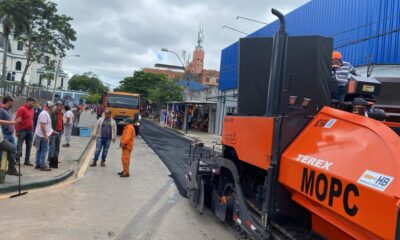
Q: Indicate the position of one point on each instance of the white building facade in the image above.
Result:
(16, 62)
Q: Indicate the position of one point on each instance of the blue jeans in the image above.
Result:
(27, 136)
(10, 156)
(101, 143)
(41, 152)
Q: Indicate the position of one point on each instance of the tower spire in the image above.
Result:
(200, 38)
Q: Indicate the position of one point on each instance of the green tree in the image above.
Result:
(166, 91)
(87, 83)
(46, 32)
(92, 98)
(152, 87)
(12, 17)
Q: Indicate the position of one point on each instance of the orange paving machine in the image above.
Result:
(310, 166)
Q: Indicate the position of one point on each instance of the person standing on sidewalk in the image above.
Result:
(43, 132)
(68, 124)
(127, 141)
(24, 130)
(105, 131)
(7, 129)
(36, 111)
(55, 140)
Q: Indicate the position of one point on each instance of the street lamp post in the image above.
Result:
(185, 125)
(56, 74)
(234, 29)
(251, 20)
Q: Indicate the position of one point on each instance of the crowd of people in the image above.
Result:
(34, 126)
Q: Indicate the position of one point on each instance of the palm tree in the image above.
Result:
(13, 21)
(7, 23)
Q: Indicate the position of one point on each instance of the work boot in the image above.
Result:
(13, 172)
(51, 162)
(53, 165)
(120, 173)
(66, 145)
(45, 168)
(125, 175)
(103, 163)
(27, 163)
(93, 164)
(37, 167)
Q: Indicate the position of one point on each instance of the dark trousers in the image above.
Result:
(11, 152)
(54, 149)
(27, 136)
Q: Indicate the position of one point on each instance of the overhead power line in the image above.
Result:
(365, 25)
(368, 38)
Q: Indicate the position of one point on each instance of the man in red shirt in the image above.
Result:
(24, 130)
(55, 139)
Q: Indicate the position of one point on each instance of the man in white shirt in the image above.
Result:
(43, 132)
(68, 124)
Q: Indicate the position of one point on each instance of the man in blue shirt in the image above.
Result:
(8, 133)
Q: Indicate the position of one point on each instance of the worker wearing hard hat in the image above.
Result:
(127, 141)
(342, 71)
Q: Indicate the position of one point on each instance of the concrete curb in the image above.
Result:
(48, 182)
(38, 184)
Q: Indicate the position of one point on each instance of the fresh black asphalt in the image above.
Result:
(171, 148)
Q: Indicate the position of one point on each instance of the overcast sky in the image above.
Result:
(117, 37)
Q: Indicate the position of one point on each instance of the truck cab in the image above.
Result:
(123, 105)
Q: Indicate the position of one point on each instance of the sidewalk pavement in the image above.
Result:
(69, 158)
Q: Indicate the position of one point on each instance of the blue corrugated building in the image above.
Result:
(363, 30)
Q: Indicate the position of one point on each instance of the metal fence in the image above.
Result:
(16, 89)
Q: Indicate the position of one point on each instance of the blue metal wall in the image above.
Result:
(228, 74)
(350, 22)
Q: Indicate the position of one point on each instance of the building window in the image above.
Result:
(48, 82)
(40, 79)
(20, 46)
(18, 66)
(62, 82)
(47, 59)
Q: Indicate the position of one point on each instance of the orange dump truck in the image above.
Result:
(123, 105)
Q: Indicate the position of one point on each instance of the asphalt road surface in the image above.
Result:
(171, 148)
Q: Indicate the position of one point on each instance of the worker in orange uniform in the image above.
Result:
(127, 141)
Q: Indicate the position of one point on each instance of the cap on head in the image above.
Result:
(59, 103)
(336, 55)
(48, 104)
